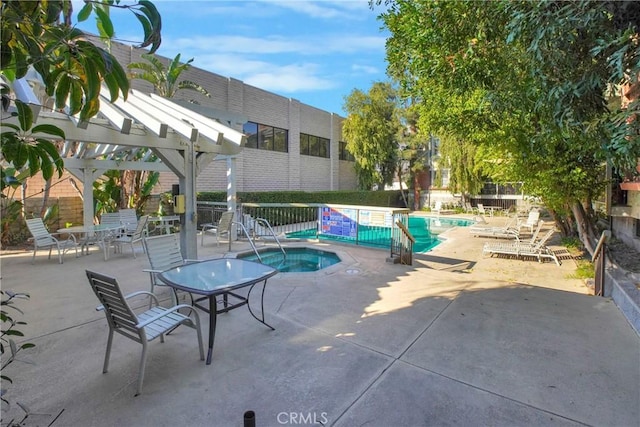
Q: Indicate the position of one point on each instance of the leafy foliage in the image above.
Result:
(40, 35)
(30, 145)
(370, 132)
(9, 349)
(165, 79)
(527, 84)
(137, 185)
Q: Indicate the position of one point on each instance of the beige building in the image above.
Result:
(291, 146)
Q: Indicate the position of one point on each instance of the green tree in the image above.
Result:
(41, 35)
(527, 84)
(370, 131)
(165, 79)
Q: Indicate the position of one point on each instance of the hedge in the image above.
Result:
(391, 198)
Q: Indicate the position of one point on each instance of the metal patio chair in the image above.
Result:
(42, 239)
(132, 239)
(141, 328)
(222, 227)
(129, 220)
(164, 253)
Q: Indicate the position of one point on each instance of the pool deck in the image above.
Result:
(454, 339)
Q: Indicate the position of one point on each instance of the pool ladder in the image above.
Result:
(265, 224)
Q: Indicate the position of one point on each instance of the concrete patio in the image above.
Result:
(455, 339)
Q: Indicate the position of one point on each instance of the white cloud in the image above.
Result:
(287, 78)
(290, 79)
(269, 45)
(366, 69)
(239, 44)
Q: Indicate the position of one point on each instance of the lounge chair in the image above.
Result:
(470, 209)
(141, 328)
(42, 239)
(519, 249)
(482, 211)
(509, 231)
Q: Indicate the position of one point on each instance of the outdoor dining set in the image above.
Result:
(213, 286)
(115, 230)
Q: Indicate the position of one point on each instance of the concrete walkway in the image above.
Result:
(455, 339)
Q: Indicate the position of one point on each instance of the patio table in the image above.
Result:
(94, 233)
(220, 277)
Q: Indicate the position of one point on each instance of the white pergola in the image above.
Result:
(184, 141)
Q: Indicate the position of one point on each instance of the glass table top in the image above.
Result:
(216, 275)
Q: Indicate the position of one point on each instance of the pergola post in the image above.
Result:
(232, 201)
(188, 229)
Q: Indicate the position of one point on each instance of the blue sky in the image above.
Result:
(313, 51)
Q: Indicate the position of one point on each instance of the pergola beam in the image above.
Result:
(185, 141)
(71, 163)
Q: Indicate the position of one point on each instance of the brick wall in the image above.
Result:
(69, 210)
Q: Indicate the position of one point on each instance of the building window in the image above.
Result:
(265, 137)
(312, 145)
(251, 131)
(637, 221)
(344, 153)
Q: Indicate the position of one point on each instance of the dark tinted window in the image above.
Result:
(250, 129)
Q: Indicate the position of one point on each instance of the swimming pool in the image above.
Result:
(424, 229)
(298, 260)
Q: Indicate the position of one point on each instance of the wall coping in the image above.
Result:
(624, 288)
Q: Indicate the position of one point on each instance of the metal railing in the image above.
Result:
(360, 225)
(402, 244)
(599, 261)
(209, 212)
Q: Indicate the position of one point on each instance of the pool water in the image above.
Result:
(424, 229)
(298, 260)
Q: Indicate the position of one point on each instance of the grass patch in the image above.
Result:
(585, 270)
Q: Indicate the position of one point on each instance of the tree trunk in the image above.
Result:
(45, 197)
(416, 192)
(404, 197)
(585, 230)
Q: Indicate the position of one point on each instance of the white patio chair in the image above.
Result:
(164, 253)
(482, 211)
(112, 219)
(129, 220)
(141, 328)
(132, 239)
(222, 227)
(42, 239)
(469, 209)
(532, 220)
